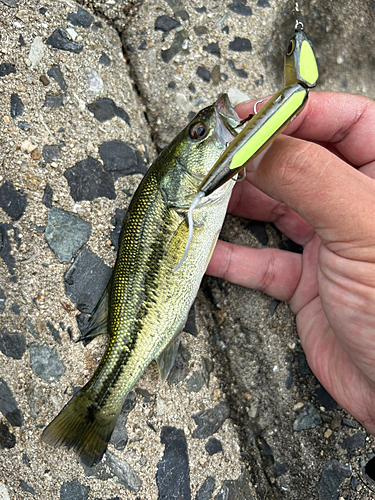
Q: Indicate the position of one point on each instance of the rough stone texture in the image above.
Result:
(251, 346)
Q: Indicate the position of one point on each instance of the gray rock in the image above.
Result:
(66, 234)
(7, 69)
(60, 40)
(240, 488)
(333, 475)
(213, 446)
(86, 279)
(307, 419)
(240, 45)
(105, 60)
(54, 331)
(45, 362)
(239, 72)
(176, 46)
(358, 440)
(26, 487)
(124, 473)
(239, 7)
(95, 81)
(31, 328)
(12, 201)
(2, 300)
(121, 158)
(51, 153)
(74, 490)
(173, 477)
(82, 18)
(105, 109)
(212, 48)
(166, 23)
(209, 421)
(17, 107)
(263, 3)
(88, 179)
(13, 345)
(204, 73)
(47, 196)
(55, 73)
(195, 382)
(7, 439)
(205, 491)
(54, 100)
(119, 436)
(8, 405)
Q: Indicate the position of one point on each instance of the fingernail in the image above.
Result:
(253, 165)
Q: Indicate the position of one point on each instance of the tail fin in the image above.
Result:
(83, 426)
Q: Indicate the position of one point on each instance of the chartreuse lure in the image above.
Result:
(300, 74)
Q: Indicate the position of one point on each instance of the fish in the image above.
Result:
(146, 303)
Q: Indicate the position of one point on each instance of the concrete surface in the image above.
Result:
(258, 366)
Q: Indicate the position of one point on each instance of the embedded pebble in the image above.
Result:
(173, 476)
(12, 345)
(60, 40)
(195, 382)
(105, 109)
(205, 491)
(54, 332)
(125, 474)
(6, 69)
(45, 362)
(4, 495)
(17, 107)
(51, 153)
(6, 244)
(53, 100)
(47, 196)
(74, 490)
(239, 72)
(236, 489)
(240, 45)
(333, 474)
(212, 48)
(55, 73)
(82, 18)
(105, 60)
(263, 3)
(2, 300)
(122, 158)
(166, 23)
(307, 419)
(95, 81)
(37, 49)
(239, 7)
(209, 421)
(88, 179)
(213, 446)
(86, 279)
(8, 405)
(176, 46)
(26, 487)
(12, 201)
(203, 73)
(280, 468)
(66, 234)
(358, 440)
(7, 439)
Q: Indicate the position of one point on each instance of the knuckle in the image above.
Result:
(297, 160)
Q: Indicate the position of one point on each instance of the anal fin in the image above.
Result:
(166, 359)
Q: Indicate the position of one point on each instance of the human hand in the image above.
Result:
(317, 186)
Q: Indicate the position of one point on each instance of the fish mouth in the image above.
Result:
(227, 118)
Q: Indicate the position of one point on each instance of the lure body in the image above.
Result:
(300, 74)
(147, 301)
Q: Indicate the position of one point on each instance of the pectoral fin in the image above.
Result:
(97, 324)
(166, 359)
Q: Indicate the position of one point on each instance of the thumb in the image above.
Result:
(337, 200)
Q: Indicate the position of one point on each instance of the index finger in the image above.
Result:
(344, 120)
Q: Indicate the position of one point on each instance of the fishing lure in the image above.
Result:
(300, 75)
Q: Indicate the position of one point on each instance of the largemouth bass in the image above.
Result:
(146, 303)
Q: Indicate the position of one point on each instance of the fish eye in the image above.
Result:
(290, 47)
(198, 131)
